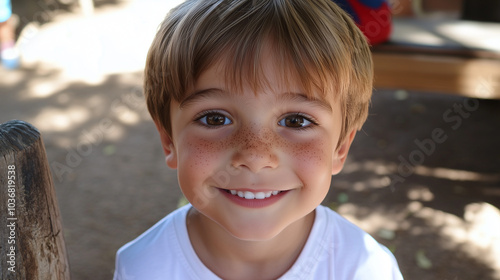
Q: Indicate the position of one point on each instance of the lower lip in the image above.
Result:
(253, 203)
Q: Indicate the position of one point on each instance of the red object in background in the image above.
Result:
(373, 17)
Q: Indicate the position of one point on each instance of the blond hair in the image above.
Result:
(317, 40)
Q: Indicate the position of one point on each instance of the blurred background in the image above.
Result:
(423, 176)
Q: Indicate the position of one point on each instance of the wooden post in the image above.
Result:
(31, 239)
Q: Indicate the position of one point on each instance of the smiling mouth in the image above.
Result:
(253, 195)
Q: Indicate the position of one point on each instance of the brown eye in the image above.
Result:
(214, 119)
(295, 121)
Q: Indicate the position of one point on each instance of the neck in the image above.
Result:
(233, 258)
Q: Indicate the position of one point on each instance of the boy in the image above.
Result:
(257, 103)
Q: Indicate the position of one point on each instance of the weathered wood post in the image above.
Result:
(31, 239)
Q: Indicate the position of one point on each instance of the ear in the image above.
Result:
(168, 147)
(340, 155)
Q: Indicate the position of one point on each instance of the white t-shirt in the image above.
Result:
(336, 249)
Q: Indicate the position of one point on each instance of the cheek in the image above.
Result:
(311, 155)
(200, 154)
(198, 161)
(312, 162)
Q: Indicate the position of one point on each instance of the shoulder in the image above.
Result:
(155, 249)
(156, 235)
(354, 253)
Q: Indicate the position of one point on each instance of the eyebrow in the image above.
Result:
(302, 97)
(200, 94)
(285, 97)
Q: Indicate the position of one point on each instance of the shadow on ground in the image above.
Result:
(43, 11)
(105, 156)
(424, 194)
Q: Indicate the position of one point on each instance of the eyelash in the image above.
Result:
(206, 113)
(313, 122)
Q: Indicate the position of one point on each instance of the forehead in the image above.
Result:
(268, 72)
(212, 84)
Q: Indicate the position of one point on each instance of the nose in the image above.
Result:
(257, 150)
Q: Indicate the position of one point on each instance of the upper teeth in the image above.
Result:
(251, 195)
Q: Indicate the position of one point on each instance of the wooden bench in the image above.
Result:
(448, 56)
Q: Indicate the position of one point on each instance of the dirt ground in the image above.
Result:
(423, 176)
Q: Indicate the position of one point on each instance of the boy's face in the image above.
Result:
(228, 144)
